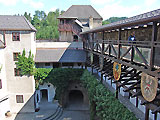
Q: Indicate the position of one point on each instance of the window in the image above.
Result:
(47, 64)
(0, 84)
(19, 98)
(15, 36)
(16, 72)
(15, 56)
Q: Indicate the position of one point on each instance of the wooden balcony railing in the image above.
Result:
(70, 28)
(65, 27)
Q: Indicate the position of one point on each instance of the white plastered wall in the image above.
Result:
(4, 98)
(50, 90)
(17, 85)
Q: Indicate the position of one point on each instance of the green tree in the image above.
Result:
(25, 64)
(28, 16)
(36, 22)
(46, 25)
(113, 19)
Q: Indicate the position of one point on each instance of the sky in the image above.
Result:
(106, 8)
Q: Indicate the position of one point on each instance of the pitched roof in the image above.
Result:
(60, 55)
(71, 55)
(141, 19)
(80, 11)
(12, 22)
(48, 55)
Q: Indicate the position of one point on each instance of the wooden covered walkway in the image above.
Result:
(131, 65)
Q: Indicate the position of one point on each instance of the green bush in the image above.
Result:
(102, 101)
(61, 77)
(107, 107)
(40, 75)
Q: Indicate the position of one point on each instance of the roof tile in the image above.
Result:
(9, 22)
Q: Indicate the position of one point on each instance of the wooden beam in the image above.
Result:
(126, 52)
(114, 50)
(155, 116)
(154, 38)
(119, 45)
(117, 90)
(141, 56)
(127, 63)
(92, 41)
(146, 113)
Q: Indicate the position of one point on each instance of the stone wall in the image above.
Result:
(141, 34)
(19, 85)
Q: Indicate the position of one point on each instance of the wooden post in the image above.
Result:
(119, 45)
(92, 41)
(117, 90)
(92, 69)
(92, 46)
(109, 50)
(132, 54)
(103, 41)
(111, 82)
(137, 102)
(101, 77)
(102, 52)
(119, 54)
(154, 38)
(147, 113)
(96, 40)
(85, 66)
(129, 95)
(155, 116)
(83, 39)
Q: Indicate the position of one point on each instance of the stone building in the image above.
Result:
(68, 52)
(76, 19)
(16, 34)
(4, 97)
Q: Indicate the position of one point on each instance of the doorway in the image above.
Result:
(75, 38)
(75, 97)
(44, 94)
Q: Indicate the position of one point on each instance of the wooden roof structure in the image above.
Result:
(129, 22)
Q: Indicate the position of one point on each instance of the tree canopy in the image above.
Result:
(25, 64)
(113, 19)
(46, 24)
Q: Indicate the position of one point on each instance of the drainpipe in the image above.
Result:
(4, 38)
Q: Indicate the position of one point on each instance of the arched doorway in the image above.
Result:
(75, 97)
(75, 38)
(44, 93)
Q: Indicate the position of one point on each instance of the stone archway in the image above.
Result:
(76, 97)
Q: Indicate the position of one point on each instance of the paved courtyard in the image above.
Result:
(51, 111)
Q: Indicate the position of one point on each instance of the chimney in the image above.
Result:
(90, 22)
